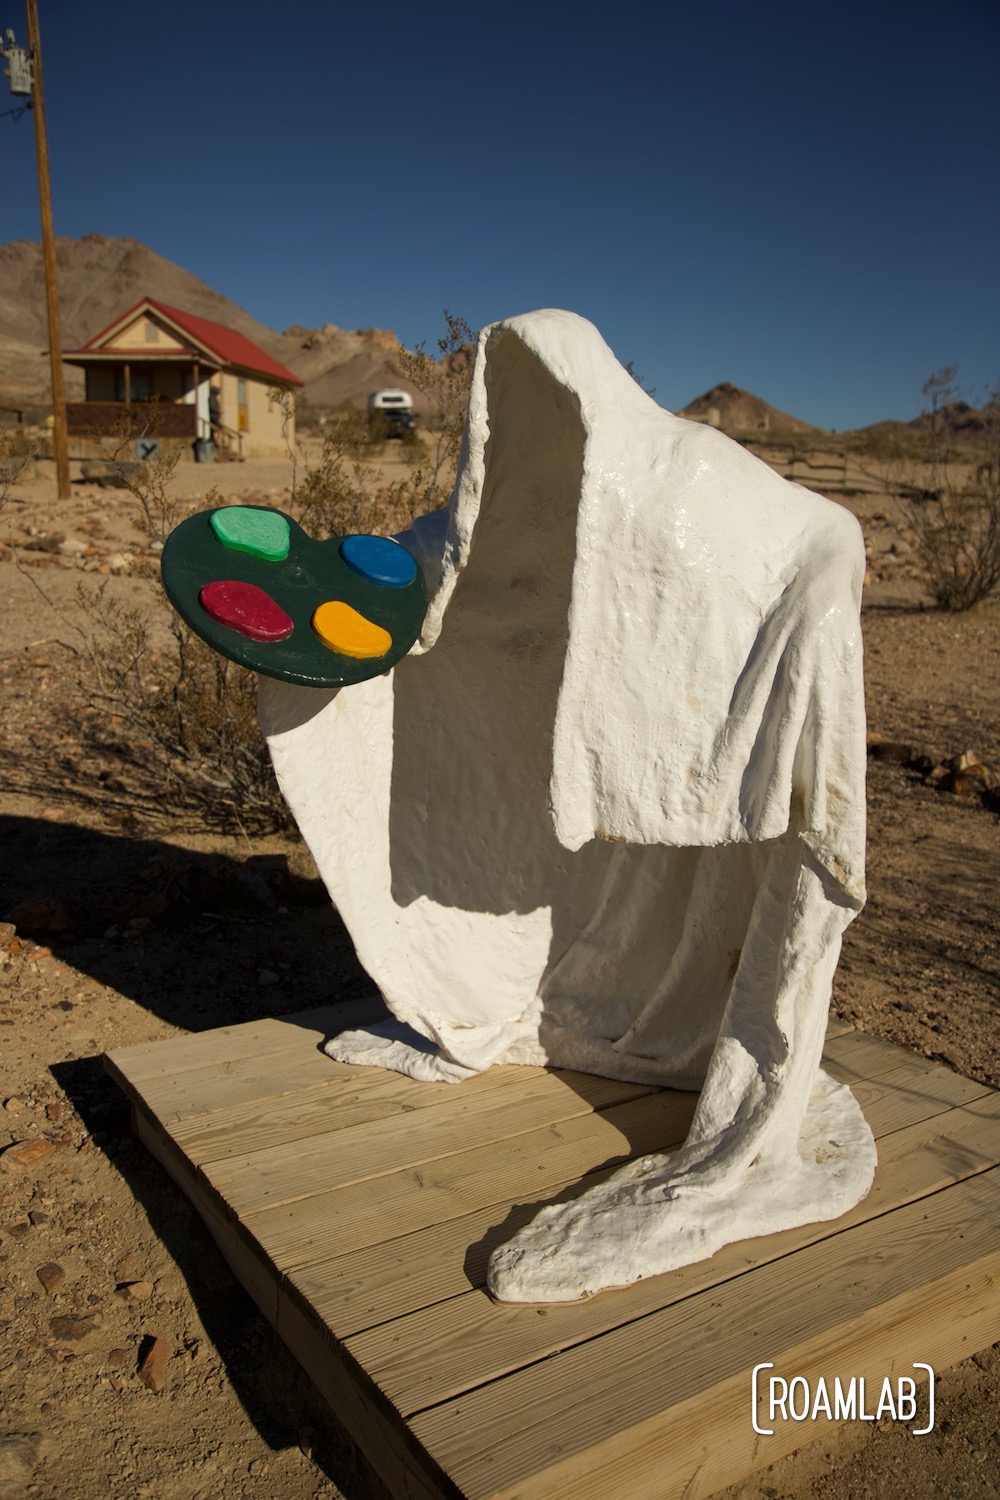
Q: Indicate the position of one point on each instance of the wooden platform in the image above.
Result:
(359, 1210)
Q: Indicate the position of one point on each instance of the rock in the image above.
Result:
(72, 1327)
(44, 914)
(961, 784)
(968, 764)
(117, 1358)
(8, 933)
(13, 1105)
(49, 544)
(894, 751)
(19, 1453)
(153, 1364)
(135, 1291)
(27, 1153)
(267, 976)
(103, 472)
(51, 1276)
(925, 759)
(37, 1217)
(248, 888)
(72, 547)
(120, 562)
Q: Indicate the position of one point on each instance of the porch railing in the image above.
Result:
(160, 419)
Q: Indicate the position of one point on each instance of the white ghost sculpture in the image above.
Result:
(609, 812)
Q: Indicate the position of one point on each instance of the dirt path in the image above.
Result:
(126, 923)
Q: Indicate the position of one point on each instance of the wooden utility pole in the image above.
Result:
(59, 436)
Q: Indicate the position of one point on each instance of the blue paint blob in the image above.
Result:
(379, 560)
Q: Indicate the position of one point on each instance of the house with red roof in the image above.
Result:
(159, 374)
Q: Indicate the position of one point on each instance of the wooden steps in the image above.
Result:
(360, 1209)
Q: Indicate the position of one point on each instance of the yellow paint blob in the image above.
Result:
(342, 629)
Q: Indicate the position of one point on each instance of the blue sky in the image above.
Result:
(802, 199)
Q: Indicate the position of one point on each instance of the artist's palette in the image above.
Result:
(253, 585)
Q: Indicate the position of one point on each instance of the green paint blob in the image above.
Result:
(262, 533)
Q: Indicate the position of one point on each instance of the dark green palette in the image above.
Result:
(380, 588)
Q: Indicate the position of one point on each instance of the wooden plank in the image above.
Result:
(243, 1130)
(259, 1170)
(366, 1213)
(912, 1092)
(252, 1080)
(255, 1272)
(852, 1056)
(710, 1443)
(233, 1066)
(456, 1122)
(213, 1069)
(408, 1471)
(149, 1061)
(436, 1353)
(387, 1280)
(550, 1429)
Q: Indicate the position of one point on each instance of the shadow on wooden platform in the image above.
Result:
(359, 1209)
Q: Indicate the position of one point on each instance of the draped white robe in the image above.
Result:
(609, 812)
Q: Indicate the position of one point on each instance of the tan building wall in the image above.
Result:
(145, 333)
(257, 418)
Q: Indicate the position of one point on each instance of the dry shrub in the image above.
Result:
(444, 384)
(16, 453)
(190, 714)
(957, 523)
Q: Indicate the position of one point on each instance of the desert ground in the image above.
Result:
(122, 921)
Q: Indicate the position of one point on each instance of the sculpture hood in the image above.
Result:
(712, 675)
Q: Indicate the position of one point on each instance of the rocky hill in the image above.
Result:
(742, 414)
(100, 277)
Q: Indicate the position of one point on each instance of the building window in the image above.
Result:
(139, 385)
(242, 406)
(152, 333)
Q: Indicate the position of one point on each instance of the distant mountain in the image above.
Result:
(960, 425)
(958, 419)
(741, 414)
(99, 278)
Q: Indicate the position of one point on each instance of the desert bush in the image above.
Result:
(444, 384)
(957, 520)
(184, 717)
(16, 452)
(190, 713)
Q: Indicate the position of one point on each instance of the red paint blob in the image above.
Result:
(246, 608)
